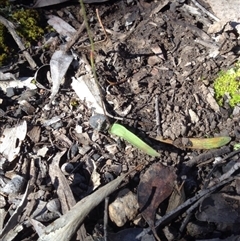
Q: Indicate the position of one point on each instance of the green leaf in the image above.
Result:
(121, 131)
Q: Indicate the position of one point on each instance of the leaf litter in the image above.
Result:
(180, 68)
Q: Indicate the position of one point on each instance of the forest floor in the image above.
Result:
(156, 69)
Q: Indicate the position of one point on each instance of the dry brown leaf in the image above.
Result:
(155, 186)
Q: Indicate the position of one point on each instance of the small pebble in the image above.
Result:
(67, 168)
(14, 186)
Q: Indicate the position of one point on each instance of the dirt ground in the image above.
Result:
(156, 68)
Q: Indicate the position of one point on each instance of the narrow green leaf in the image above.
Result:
(121, 131)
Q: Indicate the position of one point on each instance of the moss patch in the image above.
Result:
(228, 83)
(29, 28)
(28, 21)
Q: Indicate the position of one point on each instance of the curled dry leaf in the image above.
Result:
(67, 168)
(59, 65)
(95, 176)
(155, 186)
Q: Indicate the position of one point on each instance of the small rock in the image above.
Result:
(193, 116)
(10, 92)
(152, 60)
(67, 168)
(124, 208)
(112, 148)
(78, 129)
(98, 122)
(236, 111)
(116, 169)
(14, 186)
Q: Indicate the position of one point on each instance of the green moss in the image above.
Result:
(5, 45)
(228, 83)
(29, 28)
(28, 21)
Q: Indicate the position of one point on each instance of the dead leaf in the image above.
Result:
(227, 10)
(34, 134)
(155, 186)
(95, 176)
(216, 209)
(87, 90)
(59, 65)
(44, 3)
(11, 140)
(62, 27)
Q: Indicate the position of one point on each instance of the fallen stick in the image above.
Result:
(64, 228)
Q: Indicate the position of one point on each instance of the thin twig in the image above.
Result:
(105, 219)
(189, 213)
(208, 155)
(75, 37)
(207, 179)
(226, 175)
(157, 116)
(18, 41)
(206, 11)
(92, 45)
(100, 22)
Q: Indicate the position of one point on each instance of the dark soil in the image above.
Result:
(152, 55)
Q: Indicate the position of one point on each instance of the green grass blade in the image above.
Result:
(121, 131)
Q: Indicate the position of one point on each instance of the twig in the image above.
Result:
(207, 179)
(105, 223)
(157, 116)
(205, 11)
(189, 213)
(99, 42)
(205, 156)
(17, 39)
(100, 22)
(75, 37)
(206, 44)
(226, 175)
(214, 181)
(169, 216)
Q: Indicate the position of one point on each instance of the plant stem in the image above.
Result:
(92, 56)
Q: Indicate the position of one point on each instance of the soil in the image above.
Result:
(157, 68)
